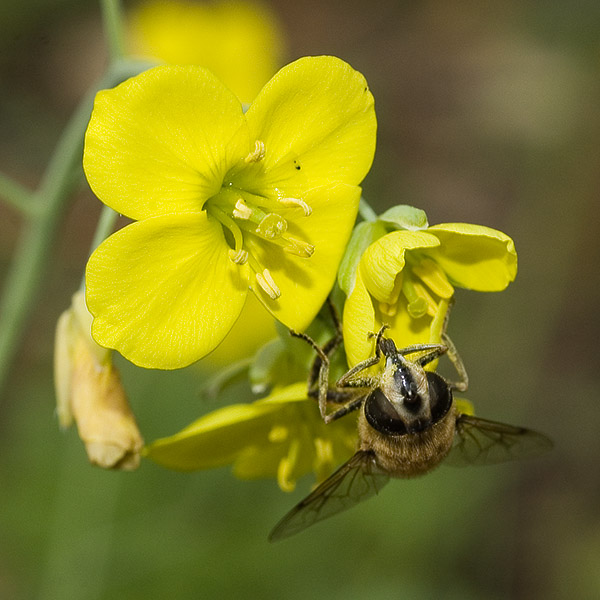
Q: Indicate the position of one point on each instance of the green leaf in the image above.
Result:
(362, 237)
(405, 217)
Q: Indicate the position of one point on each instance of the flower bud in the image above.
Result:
(89, 391)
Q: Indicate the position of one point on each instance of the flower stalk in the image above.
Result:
(48, 204)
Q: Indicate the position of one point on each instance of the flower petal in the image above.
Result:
(475, 257)
(215, 439)
(306, 282)
(384, 260)
(162, 142)
(163, 290)
(241, 42)
(316, 118)
(219, 437)
(358, 321)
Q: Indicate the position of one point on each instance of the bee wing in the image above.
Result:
(355, 481)
(482, 442)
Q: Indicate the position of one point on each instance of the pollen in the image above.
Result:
(241, 210)
(257, 154)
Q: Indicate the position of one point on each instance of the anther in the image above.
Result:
(241, 210)
(257, 154)
(269, 279)
(278, 433)
(297, 202)
(388, 308)
(298, 247)
(239, 257)
(268, 285)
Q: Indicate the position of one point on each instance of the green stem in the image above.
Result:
(31, 257)
(105, 227)
(365, 211)
(16, 195)
(113, 29)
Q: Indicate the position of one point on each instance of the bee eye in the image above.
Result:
(381, 415)
(440, 396)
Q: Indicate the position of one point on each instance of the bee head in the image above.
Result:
(408, 398)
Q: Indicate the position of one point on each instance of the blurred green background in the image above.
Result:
(488, 113)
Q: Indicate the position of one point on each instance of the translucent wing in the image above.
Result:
(355, 481)
(482, 442)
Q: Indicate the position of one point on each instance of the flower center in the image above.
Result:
(423, 283)
(246, 216)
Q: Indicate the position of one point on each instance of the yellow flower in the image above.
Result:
(240, 42)
(406, 280)
(222, 201)
(89, 391)
(282, 436)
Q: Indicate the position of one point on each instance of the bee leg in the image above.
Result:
(433, 351)
(349, 378)
(454, 356)
(335, 317)
(318, 380)
(344, 410)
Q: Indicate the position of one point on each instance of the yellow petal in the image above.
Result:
(162, 142)
(240, 42)
(316, 118)
(306, 282)
(163, 291)
(221, 436)
(475, 257)
(384, 260)
(254, 328)
(362, 316)
(357, 322)
(406, 330)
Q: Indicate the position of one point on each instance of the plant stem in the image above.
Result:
(105, 226)
(365, 211)
(113, 29)
(16, 195)
(31, 257)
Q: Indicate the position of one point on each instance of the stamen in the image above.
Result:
(430, 302)
(297, 202)
(257, 154)
(297, 247)
(388, 308)
(269, 279)
(278, 433)
(241, 210)
(285, 470)
(417, 306)
(432, 275)
(236, 254)
(266, 282)
(323, 453)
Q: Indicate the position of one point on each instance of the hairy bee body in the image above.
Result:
(409, 454)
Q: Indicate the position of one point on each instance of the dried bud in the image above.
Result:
(89, 391)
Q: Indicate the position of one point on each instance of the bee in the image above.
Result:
(407, 425)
